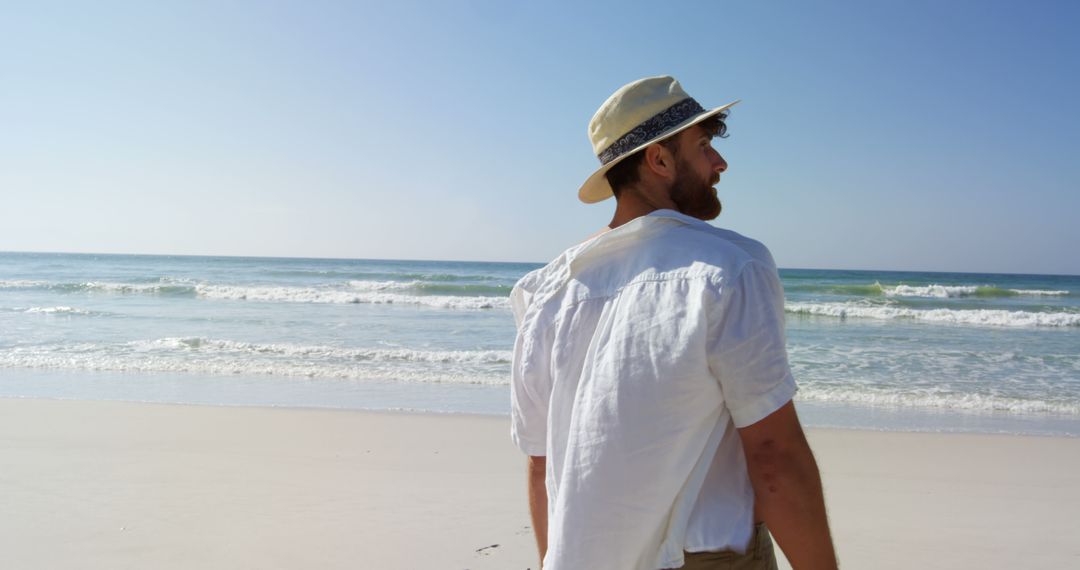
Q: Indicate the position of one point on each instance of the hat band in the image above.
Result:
(653, 127)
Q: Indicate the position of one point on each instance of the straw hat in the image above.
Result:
(637, 115)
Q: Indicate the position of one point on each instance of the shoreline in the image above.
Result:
(120, 484)
(285, 392)
(816, 408)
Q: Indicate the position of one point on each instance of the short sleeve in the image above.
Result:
(747, 352)
(530, 388)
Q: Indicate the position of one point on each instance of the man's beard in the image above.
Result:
(695, 197)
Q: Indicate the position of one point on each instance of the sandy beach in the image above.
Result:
(128, 485)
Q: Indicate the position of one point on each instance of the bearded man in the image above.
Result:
(650, 387)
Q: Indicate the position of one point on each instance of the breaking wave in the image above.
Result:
(215, 346)
(979, 317)
(163, 287)
(934, 291)
(62, 310)
(429, 294)
(22, 284)
(386, 295)
(951, 291)
(226, 357)
(966, 402)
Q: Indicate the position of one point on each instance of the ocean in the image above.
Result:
(884, 350)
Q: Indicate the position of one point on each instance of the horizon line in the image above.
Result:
(417, 260)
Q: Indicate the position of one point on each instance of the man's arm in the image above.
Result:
(787, 489)
(538, 502)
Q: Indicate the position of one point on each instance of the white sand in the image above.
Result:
(120, 485)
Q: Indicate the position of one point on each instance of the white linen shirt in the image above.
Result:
(638, 353)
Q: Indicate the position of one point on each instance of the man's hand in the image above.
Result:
(538, 502)
(787, 489)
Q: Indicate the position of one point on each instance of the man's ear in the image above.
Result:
(660, 161)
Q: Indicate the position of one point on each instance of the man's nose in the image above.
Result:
(720, 165)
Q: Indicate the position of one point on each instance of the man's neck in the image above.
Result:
(633, 204)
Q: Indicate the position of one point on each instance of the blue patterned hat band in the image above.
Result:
(653, 127)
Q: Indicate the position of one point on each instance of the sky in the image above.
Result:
(919, 135)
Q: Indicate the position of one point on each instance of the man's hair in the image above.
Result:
(626, 172)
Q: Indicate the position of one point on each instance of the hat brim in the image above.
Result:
(596, 187)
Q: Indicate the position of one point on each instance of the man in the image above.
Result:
(650, 382)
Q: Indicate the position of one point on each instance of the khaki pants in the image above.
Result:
(759, 556)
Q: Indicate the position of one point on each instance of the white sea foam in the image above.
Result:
(314, 295)
(951, 291)
(369, 292)
(62, 310)
(1038, 292)
(984, 317)
(226, 358)
(133, 288)
(953, 401)
(22, 284)
(936, 291)
(165, 285)
(383, 285)
(215, 346)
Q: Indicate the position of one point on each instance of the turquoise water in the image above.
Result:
(871, 349)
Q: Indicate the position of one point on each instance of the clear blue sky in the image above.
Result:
(872, 135)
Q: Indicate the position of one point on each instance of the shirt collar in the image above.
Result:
(634, 231)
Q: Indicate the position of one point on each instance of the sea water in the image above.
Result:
(870, 349)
